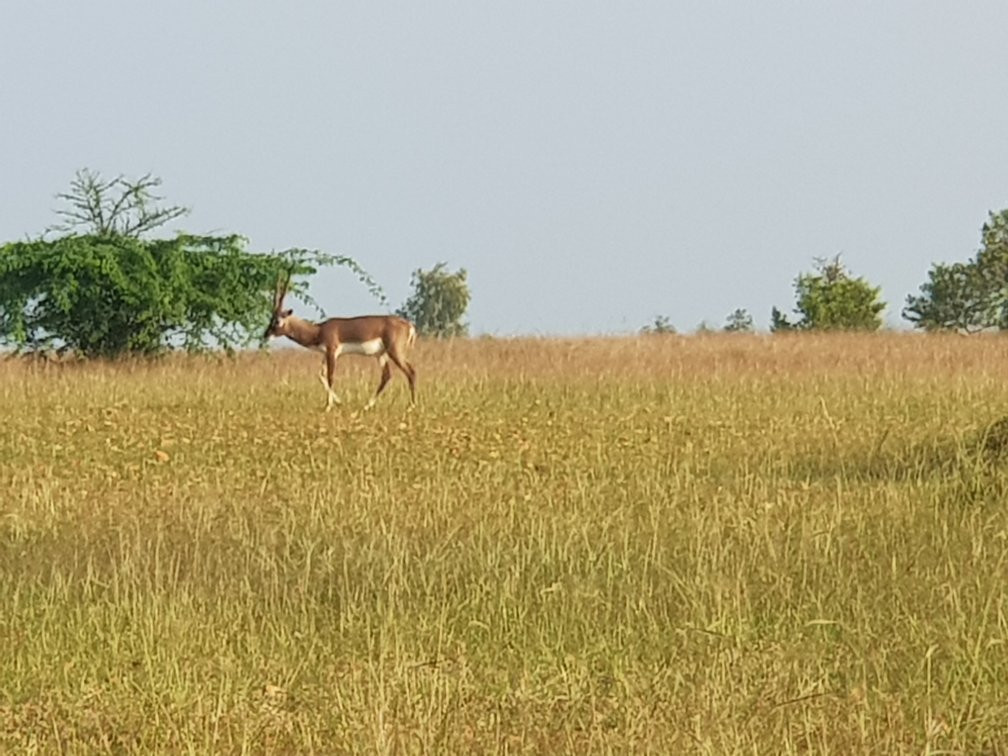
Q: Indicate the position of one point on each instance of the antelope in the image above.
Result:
(386, 337)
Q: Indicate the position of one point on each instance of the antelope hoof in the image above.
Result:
(369, 405)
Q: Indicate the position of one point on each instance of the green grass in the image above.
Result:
(668, 545)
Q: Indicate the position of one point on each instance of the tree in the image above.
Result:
(109, 292)
(106, 296)
(970, 296)
(955, 297)
(831, 299)
(661, 324)
(438, 302)
(740, 321)
(779, 322)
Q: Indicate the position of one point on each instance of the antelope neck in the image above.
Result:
(303, 332)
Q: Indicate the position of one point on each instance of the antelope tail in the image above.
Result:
(411, 339)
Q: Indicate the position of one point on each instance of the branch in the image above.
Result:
(131, 213)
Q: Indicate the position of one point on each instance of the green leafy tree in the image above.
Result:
(970, 296)
(740, 321)
(831, 299)
(109, 292)
(438, 303)
(955, 297)
(107, 296)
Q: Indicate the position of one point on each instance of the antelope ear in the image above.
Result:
(287, 313)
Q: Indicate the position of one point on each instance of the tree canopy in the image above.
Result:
(739, 321)
(106, 296)
(438, 302)
(967, 296)
(832, 299)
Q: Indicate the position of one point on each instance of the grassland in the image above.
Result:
(668, 545)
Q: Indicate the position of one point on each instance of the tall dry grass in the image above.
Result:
(665, 544)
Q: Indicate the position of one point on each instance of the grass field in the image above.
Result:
(668, 545)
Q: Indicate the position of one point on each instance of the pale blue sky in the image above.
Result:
(591, 164)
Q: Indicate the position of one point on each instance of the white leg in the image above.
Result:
(331, 397)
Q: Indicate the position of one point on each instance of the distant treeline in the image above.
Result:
(967, 297)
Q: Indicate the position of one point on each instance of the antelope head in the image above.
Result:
(278, 322)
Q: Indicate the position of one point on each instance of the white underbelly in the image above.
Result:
(370, 348)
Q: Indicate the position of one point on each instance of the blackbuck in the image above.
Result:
(386, 337)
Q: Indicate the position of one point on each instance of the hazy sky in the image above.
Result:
(591, 164)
